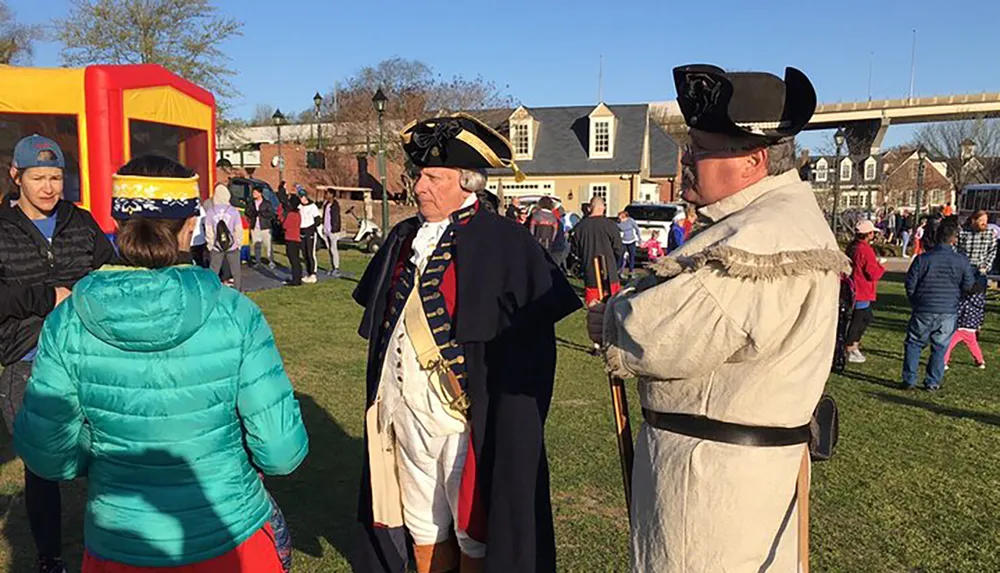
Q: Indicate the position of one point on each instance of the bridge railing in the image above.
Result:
(957, 99)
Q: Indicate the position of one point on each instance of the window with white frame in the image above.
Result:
(602, 137)
(599, 190)
(520, 136)
(821, 170)
(846, 170)
(870, 169)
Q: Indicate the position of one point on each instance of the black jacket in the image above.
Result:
(266, 214)
(335, 224)
(598, 237)
(30, 268)
(509, 299)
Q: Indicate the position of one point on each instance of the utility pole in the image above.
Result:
(600, 80)
(913, 63)
(871, 67)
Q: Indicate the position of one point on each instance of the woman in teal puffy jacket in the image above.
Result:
(166, 390)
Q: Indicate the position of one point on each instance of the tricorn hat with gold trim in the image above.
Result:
(457, 140)
(757, 105)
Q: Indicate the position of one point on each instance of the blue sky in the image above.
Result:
(547, 51)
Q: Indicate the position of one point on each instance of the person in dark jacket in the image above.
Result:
(460, 313)
(597, 236)
(46, 245)
(935, 284)
(167, 392)
(513, 211)
(332, 230)
(260, 214)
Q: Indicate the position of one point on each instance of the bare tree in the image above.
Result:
(181, 35)
(262, 115)
(946, 141)
(15, 39)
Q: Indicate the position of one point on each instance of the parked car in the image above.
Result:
(241, 189)
(655, 217)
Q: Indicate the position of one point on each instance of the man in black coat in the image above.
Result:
(597, 236)
(260, 214)
(47, 244)
(460, 312)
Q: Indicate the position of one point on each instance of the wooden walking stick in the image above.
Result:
(619, 404)
(803, 502)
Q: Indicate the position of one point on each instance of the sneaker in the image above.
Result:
(947, 368)
(932, 388)
(905, 386)
(981, 366)
(856, 357)
(272, 266)
(56, 565)
(309, 279)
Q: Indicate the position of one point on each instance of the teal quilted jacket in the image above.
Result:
(166, 390)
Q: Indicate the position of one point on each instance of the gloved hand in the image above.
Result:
(595, 322)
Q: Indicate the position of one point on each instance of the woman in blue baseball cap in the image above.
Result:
(167, 391)
(47, 244)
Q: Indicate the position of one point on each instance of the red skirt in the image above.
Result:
(255, 555)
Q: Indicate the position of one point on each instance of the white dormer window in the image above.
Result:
(846, 168)
(602, 137)
(602, 133)
(821, 170)
(520, 138)
(870, 169)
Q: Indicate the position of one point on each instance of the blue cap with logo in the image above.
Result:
(30, 152)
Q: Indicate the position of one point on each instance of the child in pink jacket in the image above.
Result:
(654, 249)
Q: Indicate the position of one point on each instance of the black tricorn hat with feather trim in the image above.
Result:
(748, 104)
(457, 140)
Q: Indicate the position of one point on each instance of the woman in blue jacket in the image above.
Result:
(165, 390)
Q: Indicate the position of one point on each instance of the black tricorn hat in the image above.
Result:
(457, 140)
(749, 104)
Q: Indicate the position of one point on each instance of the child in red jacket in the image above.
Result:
(291, 221)
(867, 270)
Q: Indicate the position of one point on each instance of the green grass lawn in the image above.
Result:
(914, 486)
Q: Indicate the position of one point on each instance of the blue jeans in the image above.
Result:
(927, 327)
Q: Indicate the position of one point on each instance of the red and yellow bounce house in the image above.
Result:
(102, 116)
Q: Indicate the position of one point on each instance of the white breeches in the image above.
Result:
(430, 475)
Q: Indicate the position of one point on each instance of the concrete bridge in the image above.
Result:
(867, 122)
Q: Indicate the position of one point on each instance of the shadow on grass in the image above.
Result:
(884, 353)
(958, 413)
(862, 377)
(560, 341)
(320, 499)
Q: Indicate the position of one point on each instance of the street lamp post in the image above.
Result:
(379, 101)
(838, 138)
(922, 157)
(279, 119)
(318, 100)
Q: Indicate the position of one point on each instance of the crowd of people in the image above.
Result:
(574, 246)
(945, 285)
(130, 366)
(217, 242)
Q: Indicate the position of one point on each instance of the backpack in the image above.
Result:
(223, 237)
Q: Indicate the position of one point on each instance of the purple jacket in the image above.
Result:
(234, 223)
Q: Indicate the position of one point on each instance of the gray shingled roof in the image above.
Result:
(662, 152)
(562, 145)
